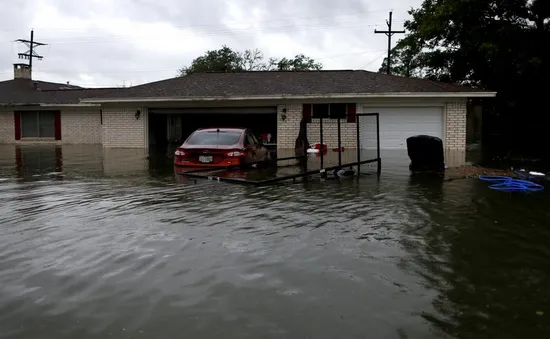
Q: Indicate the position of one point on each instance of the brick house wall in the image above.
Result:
(348, 133)
(112, 127)
(118, 127)
(81, 126)
(455, 125)
(122, 129)
(7, 129)
(287, 131)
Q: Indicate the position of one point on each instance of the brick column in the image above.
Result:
(7, 127)
(455, 125)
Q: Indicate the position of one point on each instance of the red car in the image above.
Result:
(220, 147)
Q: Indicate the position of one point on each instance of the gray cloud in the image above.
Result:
(98, 43)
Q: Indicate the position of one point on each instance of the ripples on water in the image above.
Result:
(105, 247)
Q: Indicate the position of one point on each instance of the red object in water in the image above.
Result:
(336, 149)
(318, 146)
(265, 137)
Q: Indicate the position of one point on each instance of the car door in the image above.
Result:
(261, 151)
(250, 147)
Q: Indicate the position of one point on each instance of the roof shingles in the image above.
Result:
(30, 92)
(222, 85)
(271, 83)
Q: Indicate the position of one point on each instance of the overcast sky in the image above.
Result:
(129, 42)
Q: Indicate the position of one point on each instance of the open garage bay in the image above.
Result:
(169, 126)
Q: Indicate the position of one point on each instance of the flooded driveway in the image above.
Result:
(105, 243)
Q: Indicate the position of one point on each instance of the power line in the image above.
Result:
(96, 85)
(224, 32)
(375, 59)
(121, 71)
(389, 33)
(271, 20)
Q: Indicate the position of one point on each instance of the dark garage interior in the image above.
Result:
(170, 127)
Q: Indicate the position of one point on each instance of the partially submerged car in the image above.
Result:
(220, 147)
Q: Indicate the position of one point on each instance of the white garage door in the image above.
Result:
(399, 123)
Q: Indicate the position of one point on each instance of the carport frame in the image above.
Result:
(306, 173)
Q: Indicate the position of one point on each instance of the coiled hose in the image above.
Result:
(503, 183)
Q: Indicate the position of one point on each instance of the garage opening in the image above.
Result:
(168, 128)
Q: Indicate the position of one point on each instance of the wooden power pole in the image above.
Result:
(389, 33)
(31, 53)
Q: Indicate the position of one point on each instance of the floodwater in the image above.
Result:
(107, 243)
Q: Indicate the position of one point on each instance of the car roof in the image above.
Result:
(224, 129)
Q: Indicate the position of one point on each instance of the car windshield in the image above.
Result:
(214, 138)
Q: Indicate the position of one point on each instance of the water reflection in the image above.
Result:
(101, 243)
(486, 253)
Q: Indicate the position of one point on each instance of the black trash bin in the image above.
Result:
(426, 153)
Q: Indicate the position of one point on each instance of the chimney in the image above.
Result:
(21, 71)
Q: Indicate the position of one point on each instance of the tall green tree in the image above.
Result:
(491, 44)
(299, 63)
(227, 60)
(220, 60)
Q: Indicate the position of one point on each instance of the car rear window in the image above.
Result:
(214, 138)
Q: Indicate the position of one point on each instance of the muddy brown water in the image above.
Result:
(107, 243)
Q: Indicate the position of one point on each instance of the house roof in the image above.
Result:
(276, 83)
(254, 84)
(33, 92)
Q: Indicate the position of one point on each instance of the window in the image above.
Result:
(37, 124)
(320, 111)
(329, 111)
(214, 138)
(337, 111)
(251, 140)
(326, 111)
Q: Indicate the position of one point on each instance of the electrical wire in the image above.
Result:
(221, 32)
(271, 20)
(120, 71)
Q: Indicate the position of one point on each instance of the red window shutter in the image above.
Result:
(58, 125)
(306, 112)
(352, 111)
(17, 125)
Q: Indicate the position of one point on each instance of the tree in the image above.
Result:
(406, 59)
(490, 44)
(299, 63)
(478, 42)
(227, 60)
(221, 60)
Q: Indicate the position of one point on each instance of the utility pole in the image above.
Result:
(31, 53)
(389, 33)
